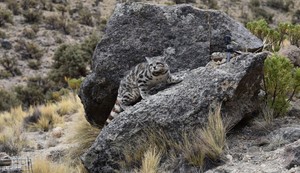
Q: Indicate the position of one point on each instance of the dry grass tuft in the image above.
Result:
(194, 147)
(68, 105)
(150, 162)
(267, 114)
(42, 165)
(83, 135)
(214, 134)
(48, 119)
(12, 141)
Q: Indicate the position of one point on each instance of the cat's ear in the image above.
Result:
(148, 59)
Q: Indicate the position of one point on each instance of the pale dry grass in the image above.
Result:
(214, 134)
(83, 135)
(150, 162)
(194, 147)
(49, 118)
(41, 165)
(12, 141)
(68, 105)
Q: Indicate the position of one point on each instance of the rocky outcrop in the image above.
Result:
(136, 30)
(183, 107)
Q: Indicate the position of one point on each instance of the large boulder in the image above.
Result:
(136, 30)
(182, 107)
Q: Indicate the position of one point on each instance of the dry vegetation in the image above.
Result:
(68, 114)
(37, 34)
(199, 148)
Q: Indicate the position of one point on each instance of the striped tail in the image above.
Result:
(114, 112)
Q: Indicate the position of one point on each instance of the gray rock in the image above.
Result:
(292, 52)
(6, 44)
(182, 107)
(136, 30)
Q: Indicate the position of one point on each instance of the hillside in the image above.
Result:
(46, 49)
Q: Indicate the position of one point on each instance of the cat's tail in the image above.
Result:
(114, 112)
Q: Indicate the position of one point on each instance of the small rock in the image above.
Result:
(292, 52)
(6, 44)
(57, 132)
(56, 155)
(292, 157)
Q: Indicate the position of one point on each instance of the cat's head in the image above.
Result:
(157, 65)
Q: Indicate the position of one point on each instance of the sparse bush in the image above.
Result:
(14, 6)
(26, 4)
(10, 65)
(29, 50)
(283, 5)
(90, 43)
(85, 17)
(2, 34)
(296, 17)
(37, 91)
(8, 100)
(29, 33)
(46, 5)
(254, 3)
(33, 15)
(262, 13)
(55, 22)
(34, 64)
(5, 16)
(294, 34)
(69, 61)
(62, 9)
(281, 83)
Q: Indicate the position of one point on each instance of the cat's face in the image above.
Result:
(157, 65)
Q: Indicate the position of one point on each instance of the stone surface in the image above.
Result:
(292, 52)
(183, 107)
(6, 44)
(136, 30)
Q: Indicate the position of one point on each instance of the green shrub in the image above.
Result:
(293, 34)
(8, 100)
(46, 5)
(281, 83)
(261, 13)
(26, 4)
(90, 43)
(85, 17)
(33, 15)
(69, 61)
(34, 64)
(62, 9)
(14, 6)
(29, 50)
(5, 16)
(3, 34)
(283, 5)
(296, 17)
(254, 3)
(10, 65)
(37, 91)
(55, 22)
(29, 33)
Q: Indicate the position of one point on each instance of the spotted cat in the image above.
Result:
(138, 82)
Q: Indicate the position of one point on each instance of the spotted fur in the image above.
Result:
(138, 82)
